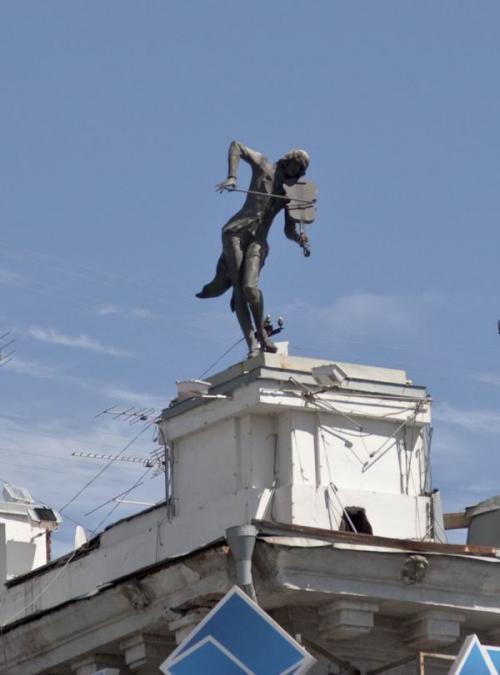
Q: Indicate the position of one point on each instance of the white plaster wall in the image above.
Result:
(205, 465)
(291, 443)
(227, 456)
(26, 544)
(399, 469)
(257, 443)
(313, 451)
(390, 515)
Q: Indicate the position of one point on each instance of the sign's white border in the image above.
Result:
(308, 660)
(217, 645)
(469, 642)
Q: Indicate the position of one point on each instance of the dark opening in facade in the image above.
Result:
(354, 520)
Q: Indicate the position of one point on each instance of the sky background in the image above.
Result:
(114, 127)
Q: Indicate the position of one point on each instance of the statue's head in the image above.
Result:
(294, 164)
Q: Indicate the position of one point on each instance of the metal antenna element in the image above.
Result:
(131, 415)
(6, 353)
(155, 460)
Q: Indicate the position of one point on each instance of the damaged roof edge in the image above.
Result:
(136, 574)
(85, 549)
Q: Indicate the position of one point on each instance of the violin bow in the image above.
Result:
(308, 202)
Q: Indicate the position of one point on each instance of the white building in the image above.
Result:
(25, 532)
(330, 463)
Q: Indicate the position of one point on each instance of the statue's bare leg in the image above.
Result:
(234, 257)
(255, 256)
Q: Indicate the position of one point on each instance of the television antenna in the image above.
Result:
(131, 415)
(155, 460)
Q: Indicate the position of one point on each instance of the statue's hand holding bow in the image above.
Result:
(228, 184)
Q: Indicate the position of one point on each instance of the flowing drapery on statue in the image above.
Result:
(273, 187)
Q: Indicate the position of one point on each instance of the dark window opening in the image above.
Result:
(354, 520)
(45, 514)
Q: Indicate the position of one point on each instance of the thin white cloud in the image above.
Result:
(31, 368)
(139, 313)
(10, 278)
(54, 337)
(367, 314)
(489, 378)
(139, 399)
(477, 420)
(110, 392)
(458, 459)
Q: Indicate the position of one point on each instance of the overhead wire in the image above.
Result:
(175, 324)
(217, 361)
(105, 467)
(97, 508)
(127, 492)
(65, 471)
(66, 439)
(377, 454)
(108, 279)
(42, 592)
(89, 273)
(22, 418)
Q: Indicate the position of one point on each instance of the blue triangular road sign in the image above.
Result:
(238, 630)
(494, 654)
(207, 657)
(473, 659)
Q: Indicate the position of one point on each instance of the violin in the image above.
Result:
(301, 198)
(301, 208)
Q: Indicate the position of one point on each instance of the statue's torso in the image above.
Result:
(258, 212)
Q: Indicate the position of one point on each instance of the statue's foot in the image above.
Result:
(268, 345)
(253, 347)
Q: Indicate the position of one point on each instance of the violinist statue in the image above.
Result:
(273, 187)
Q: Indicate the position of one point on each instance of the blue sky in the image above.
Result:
(114, 127)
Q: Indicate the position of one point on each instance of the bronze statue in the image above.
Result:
(244, 237)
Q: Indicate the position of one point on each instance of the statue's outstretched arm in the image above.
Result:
(239, 151)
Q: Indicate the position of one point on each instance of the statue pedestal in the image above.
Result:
(269, 442)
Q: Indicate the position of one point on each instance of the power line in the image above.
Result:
(89, 274)
(105, 467)
(220, 358)
(14, 418)
(40, 467)
(42, 592)
(136, 484)
(6, 348)
(120, 494)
